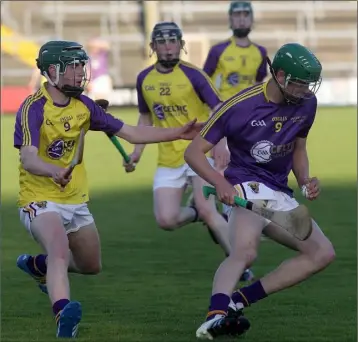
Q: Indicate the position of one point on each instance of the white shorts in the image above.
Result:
(255, 191)
(167, 177)
(101, 87)
(74, 216)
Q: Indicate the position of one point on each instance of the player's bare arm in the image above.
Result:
(221, 155)
(145, 119)
(220, 152)
(300, 165)
(32, 163)
(196, 159)
(150, 135)
(309, 186)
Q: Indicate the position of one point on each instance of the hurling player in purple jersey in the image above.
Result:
(265, 144)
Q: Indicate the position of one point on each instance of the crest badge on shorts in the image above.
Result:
(41, 205)
(254, 186)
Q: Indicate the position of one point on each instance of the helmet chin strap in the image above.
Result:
(168, 64)
(287, 100)
(69, 91)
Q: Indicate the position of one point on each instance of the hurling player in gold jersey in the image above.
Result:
(237, 63)
(172, 92)
(54, 208)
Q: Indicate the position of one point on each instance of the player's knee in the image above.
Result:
(246, 254)
(324, 255)
(321, 253)
(92, 268)
(166, 222)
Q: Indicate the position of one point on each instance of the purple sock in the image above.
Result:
(249, 294)
(37, 265)
(59, 305)
(219, 304)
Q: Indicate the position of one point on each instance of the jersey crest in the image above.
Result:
(254, 186)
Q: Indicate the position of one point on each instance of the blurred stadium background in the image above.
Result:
(155, 285)
(329, 28)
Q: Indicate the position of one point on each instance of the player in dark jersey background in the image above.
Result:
(266, 144)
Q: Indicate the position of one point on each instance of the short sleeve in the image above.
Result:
(262, 70)
(202, 86)
(211, 62)
(215, 129)
(29, 119)
(311, 108)
(142, 105)
(99, 119)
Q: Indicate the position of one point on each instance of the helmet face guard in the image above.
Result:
(302, 72)
(63, 56)
(165, 35)
(73, 88)
(297, 90)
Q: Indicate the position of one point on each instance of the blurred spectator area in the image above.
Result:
(329, 28)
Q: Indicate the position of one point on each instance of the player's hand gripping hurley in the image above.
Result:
(130, 167)
(296, 221)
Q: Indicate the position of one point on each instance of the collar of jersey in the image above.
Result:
(49, 98)
(169, 71)
(234, 43)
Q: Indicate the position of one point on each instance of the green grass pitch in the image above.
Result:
(155, 285)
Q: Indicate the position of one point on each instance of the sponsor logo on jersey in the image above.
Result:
(161, 110)
(264, 151)
(233, 78)
(59, 147)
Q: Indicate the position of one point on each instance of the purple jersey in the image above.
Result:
(261, 136)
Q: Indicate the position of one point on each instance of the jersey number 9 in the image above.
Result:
(278, 126)
(67, 126)
(164, 91)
